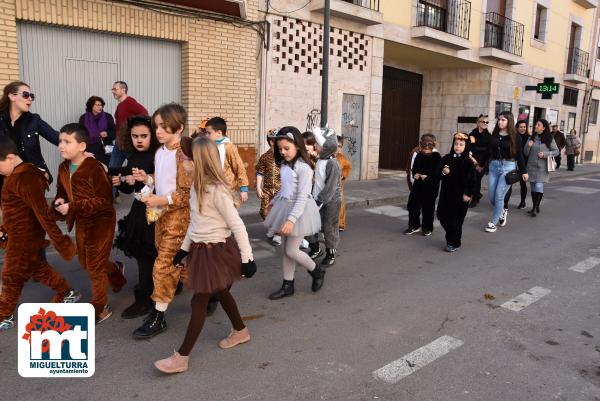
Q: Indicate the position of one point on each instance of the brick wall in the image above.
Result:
(219, 60)
(9, 56)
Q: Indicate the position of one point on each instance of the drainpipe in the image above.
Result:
(325, 78)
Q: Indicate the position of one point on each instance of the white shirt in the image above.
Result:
(165, 171)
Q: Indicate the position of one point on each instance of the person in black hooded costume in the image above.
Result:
(458, 184)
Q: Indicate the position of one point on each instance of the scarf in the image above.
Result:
(95, 125)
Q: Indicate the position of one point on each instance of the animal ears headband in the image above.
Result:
(321, 134)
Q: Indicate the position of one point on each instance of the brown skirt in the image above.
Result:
(213, 267)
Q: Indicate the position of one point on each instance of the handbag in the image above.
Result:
(551, 163)
(512, 177)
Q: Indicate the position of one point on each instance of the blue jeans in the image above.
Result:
(117, 158)
(537, 187)
(497, 186)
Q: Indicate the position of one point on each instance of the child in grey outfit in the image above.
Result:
(327, 193)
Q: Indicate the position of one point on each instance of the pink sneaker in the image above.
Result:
(235, 338)
(174, 364)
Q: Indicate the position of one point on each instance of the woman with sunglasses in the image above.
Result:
(480, 148)
(24, 127)
(506, 154)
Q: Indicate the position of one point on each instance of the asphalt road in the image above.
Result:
(387, 297)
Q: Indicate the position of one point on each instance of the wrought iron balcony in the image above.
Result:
(370, 4)
(362, 11)
(504, 34)
(450, 16)
(578, 65)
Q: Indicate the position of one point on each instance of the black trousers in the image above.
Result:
(452, 222)
(145, 286)
(421, 201)
(477, 195)
(571, 162)
(557, 159)
(523, 185)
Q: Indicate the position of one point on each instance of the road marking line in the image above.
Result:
(391, 211)
(579, 190)
(527, 298)
(585, 265)
(587, 179)
(419, 358)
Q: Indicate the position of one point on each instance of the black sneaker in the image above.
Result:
(315, 252)
(427, 233)
(154, 324)
(137, 309)
(8, 323)
(329, 259)
(410, 231)
(72, 296)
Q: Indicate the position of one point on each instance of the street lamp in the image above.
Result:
(325, 75)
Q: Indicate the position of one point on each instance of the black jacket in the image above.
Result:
(460, 181)
(480, 146)
(26, 135)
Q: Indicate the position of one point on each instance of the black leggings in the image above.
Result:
(199, 303)
(523, 193)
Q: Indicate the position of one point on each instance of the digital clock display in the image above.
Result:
(547, 88)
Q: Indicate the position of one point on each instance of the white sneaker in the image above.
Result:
(304, 244)
(276, 240)
(491, 227)
(503, 218)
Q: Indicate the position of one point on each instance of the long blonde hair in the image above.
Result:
(207, 167)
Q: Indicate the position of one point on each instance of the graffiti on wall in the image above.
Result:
(313, 119)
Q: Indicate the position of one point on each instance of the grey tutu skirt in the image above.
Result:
(309, 222)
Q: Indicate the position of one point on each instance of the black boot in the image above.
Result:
(329, 259)
(534, 196)
(318, 276)
(154, 324)
(539, 200)
(137, 309)
(286, 290)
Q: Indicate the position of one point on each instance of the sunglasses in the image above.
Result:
(484, 122)
(26, 95)
(428, 145)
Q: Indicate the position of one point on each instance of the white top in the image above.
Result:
(165, 171)
(218, 220)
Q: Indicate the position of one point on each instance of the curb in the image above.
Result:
(254, 218)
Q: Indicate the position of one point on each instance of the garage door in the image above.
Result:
(66, 66)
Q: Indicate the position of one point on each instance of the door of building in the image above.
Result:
(352, 129)
(400, 117)
(64, 67)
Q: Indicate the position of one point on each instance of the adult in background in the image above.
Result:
(100, 126)
(561, 142)
(506, 155)
(572, 148)
(127, 107)
(539, 148)
(523, 132)
(480, 143)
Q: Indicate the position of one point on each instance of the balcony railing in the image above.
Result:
(504, 34)
(370, 4)
(578, 62)
(450, 16)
